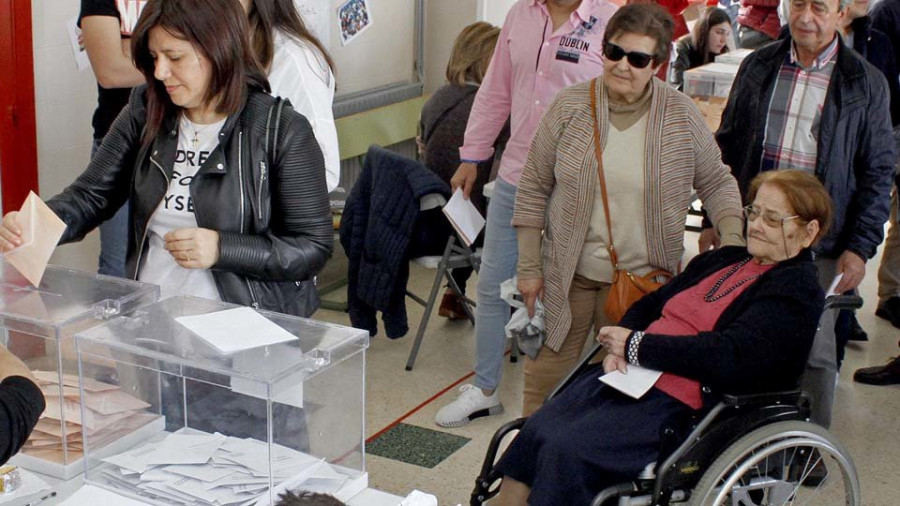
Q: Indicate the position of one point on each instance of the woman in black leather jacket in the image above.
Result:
(227, 188)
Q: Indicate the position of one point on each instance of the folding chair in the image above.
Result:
(456, 255)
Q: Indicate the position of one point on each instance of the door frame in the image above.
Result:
(18, 130)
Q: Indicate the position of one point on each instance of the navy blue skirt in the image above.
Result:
(586, 439)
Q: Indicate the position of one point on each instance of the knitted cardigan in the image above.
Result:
(556, 192)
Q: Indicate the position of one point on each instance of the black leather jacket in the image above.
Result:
(273, 219)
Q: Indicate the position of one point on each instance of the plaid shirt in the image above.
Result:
(795, 111)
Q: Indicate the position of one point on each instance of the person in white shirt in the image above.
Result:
(299, 69)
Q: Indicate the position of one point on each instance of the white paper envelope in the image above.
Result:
(41, 232)
(236, 329)
(635, 384)
(464, 217)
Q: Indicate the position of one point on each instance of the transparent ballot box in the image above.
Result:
(710, 80)
(37, 325)
(251, 403)
(733, 57)
(709, 86)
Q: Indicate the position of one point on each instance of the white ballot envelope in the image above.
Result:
(464, 217)
(634, 384)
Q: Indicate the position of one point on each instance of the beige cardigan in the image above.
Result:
(556, 192)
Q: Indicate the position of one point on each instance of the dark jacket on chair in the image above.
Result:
(377, 225)
(856, 154)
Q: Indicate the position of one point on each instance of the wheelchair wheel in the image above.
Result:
(779, 464)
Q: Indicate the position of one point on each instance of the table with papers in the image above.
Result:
(192, 467)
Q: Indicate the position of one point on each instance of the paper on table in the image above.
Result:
(185, 449)
(46, 228)
(635, 384)
(464, 217)
(202, 473)
(91, 494)
(236, 329)
(834, 284)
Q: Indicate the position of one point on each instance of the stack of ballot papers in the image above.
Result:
(109, 414)
(191, 467)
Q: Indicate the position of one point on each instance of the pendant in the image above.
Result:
(195, 141)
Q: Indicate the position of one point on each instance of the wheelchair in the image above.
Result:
(749, 450)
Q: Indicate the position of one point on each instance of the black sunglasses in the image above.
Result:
(636, 59)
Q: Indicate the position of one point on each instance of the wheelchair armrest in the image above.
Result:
(843, 302)
(790, 397)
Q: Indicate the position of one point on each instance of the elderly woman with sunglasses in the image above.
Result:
(654, 147)
(738, 320)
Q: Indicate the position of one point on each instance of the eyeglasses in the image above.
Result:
(636, 59)
(771, 220)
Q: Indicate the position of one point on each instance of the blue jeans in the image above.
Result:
(113, 238)
(498, 263)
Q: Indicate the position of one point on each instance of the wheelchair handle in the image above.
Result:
(838, 302)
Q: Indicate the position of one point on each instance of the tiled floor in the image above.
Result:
(406, 457)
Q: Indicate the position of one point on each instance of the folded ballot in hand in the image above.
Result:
(41, 231)
(464, 217)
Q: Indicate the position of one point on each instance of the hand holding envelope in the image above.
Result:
(29, 236)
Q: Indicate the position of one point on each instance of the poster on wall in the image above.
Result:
(81, 57)
(354, 17)
(315, 17)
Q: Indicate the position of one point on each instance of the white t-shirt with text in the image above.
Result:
(176, 211)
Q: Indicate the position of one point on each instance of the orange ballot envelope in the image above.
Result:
(41, 230)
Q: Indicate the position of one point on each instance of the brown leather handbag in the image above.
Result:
(627, 287)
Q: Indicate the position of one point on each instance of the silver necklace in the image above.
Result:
(712, 296)
(194, 131)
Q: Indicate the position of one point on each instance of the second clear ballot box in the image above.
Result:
(249, 403)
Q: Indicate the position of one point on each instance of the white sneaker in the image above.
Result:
(470, 404)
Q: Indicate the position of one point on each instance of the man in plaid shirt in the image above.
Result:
(809, 102)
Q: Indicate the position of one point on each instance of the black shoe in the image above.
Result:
(882, 375)
(890, 311)
(856, 332)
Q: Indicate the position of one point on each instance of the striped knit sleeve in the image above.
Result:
(538, 178)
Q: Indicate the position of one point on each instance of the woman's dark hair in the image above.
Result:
(711, 17)
(268, 15)
(804, 192)
(216, 29)
(644, 18)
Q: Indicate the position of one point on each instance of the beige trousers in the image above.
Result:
(586, 300)
(889, 270)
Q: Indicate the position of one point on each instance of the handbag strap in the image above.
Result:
(598, 153)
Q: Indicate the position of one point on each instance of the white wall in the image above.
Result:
(65, 101)
(494, 11)
(444, 19)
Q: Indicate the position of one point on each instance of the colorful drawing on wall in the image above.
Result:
(354, 17)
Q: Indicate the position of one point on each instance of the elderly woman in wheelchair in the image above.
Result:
(737, 321)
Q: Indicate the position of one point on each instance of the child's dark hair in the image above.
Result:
(306, 498)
